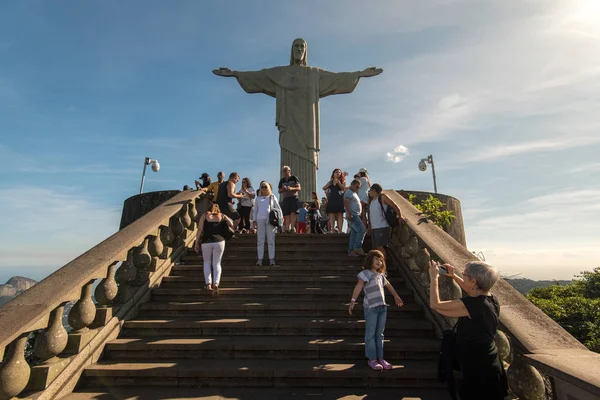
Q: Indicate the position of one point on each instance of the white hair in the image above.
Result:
(484, 274)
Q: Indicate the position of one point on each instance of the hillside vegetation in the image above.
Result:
(574, 306)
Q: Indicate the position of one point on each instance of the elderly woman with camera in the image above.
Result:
(483, 376)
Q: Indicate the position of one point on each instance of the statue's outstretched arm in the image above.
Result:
(371, 71)
(224, 72)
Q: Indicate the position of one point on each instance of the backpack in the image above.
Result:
(390, 214)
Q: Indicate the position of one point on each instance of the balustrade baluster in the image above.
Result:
(193, 214)
(166, 237)
(104, 294)
(178, 230)
(49, 343)
(524, 380)
(186, 219)
(80, 318)
(141, 261)
(14, 372)
(124, 275)
(155, 248)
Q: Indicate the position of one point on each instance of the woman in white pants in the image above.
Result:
(213, 245)
(263, 204)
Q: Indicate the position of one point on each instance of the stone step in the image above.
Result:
(263, 294)
(285, 260)
(268, 393)
(267, 326)
(261, 373)
(251, 269)
(288, 347)
(245, 309)
(230, 279)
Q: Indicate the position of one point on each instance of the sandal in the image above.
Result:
(374, 364)
(385, 364)
(216, 290)
(208, 287)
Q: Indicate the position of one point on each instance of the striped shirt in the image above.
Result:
(374, 284)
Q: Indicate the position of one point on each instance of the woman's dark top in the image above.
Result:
(211, 231)
(335, 199)
(483, 374)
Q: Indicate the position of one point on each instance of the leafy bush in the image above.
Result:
(575, 307)
(434, 210)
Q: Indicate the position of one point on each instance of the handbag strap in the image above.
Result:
(381, 204)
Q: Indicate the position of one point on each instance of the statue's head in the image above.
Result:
(299, 53)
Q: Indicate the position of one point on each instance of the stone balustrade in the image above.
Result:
(543, 360)
(127, 265)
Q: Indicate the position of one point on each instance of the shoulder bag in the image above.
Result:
(390, 214)
(275, 217)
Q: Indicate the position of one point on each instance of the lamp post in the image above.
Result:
(155, 167)
(423, 167)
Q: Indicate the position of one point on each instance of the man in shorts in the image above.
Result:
(225, 196)
(378, 226)
(289, 186)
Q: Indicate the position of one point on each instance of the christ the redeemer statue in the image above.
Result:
(297, 89)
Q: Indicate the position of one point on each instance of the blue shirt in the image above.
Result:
(355, 207)
(302, 215)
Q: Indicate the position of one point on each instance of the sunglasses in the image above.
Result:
(263, 187)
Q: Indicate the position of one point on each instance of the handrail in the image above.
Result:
(534, 335)
(147, 249)
(30, 310)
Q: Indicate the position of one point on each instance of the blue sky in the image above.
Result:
(503, 94)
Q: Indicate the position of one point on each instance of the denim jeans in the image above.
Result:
(374, 326)
(357, 233)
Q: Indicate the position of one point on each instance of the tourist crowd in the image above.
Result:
(367, 210)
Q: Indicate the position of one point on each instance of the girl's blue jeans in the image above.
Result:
(375, 319)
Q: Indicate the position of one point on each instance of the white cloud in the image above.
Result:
(398, 154)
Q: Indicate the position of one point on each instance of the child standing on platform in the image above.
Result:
(301, 222)
(372, 279)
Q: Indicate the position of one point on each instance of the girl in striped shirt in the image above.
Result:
(372, 279)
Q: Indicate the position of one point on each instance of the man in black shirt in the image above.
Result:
(289, 186)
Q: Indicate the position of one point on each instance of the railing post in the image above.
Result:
(15, 372)
(124, 275)
(49, 344)
(81, 316)
(104, 294)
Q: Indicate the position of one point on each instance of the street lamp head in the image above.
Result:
(155, 165)
(423, 164)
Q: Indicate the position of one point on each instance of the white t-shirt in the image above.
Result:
(247, 201)
(376, 216)
(363, 192)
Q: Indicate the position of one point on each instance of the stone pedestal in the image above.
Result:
(139, 205)
(457, 228)
(78, 340)
(43, 375)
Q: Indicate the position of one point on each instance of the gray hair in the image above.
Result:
(484, 274)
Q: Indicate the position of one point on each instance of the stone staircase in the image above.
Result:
(273, 333)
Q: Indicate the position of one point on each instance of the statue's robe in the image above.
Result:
(297, 90)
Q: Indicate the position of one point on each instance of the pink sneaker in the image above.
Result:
(374, 364)
(385, 364)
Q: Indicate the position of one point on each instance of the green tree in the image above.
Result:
(575, 307)
(434, 210)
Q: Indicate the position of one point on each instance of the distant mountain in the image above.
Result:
(524, 285)
(13, 287)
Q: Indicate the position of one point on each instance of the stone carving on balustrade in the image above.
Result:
(178, 230)
(142, 260)
(193, 213)
(80, 317)
(49, 343)
(14, 371)
(155, 248)
(166, 237)
(124, 275)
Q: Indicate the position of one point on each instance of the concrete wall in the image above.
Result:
(457, 228)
